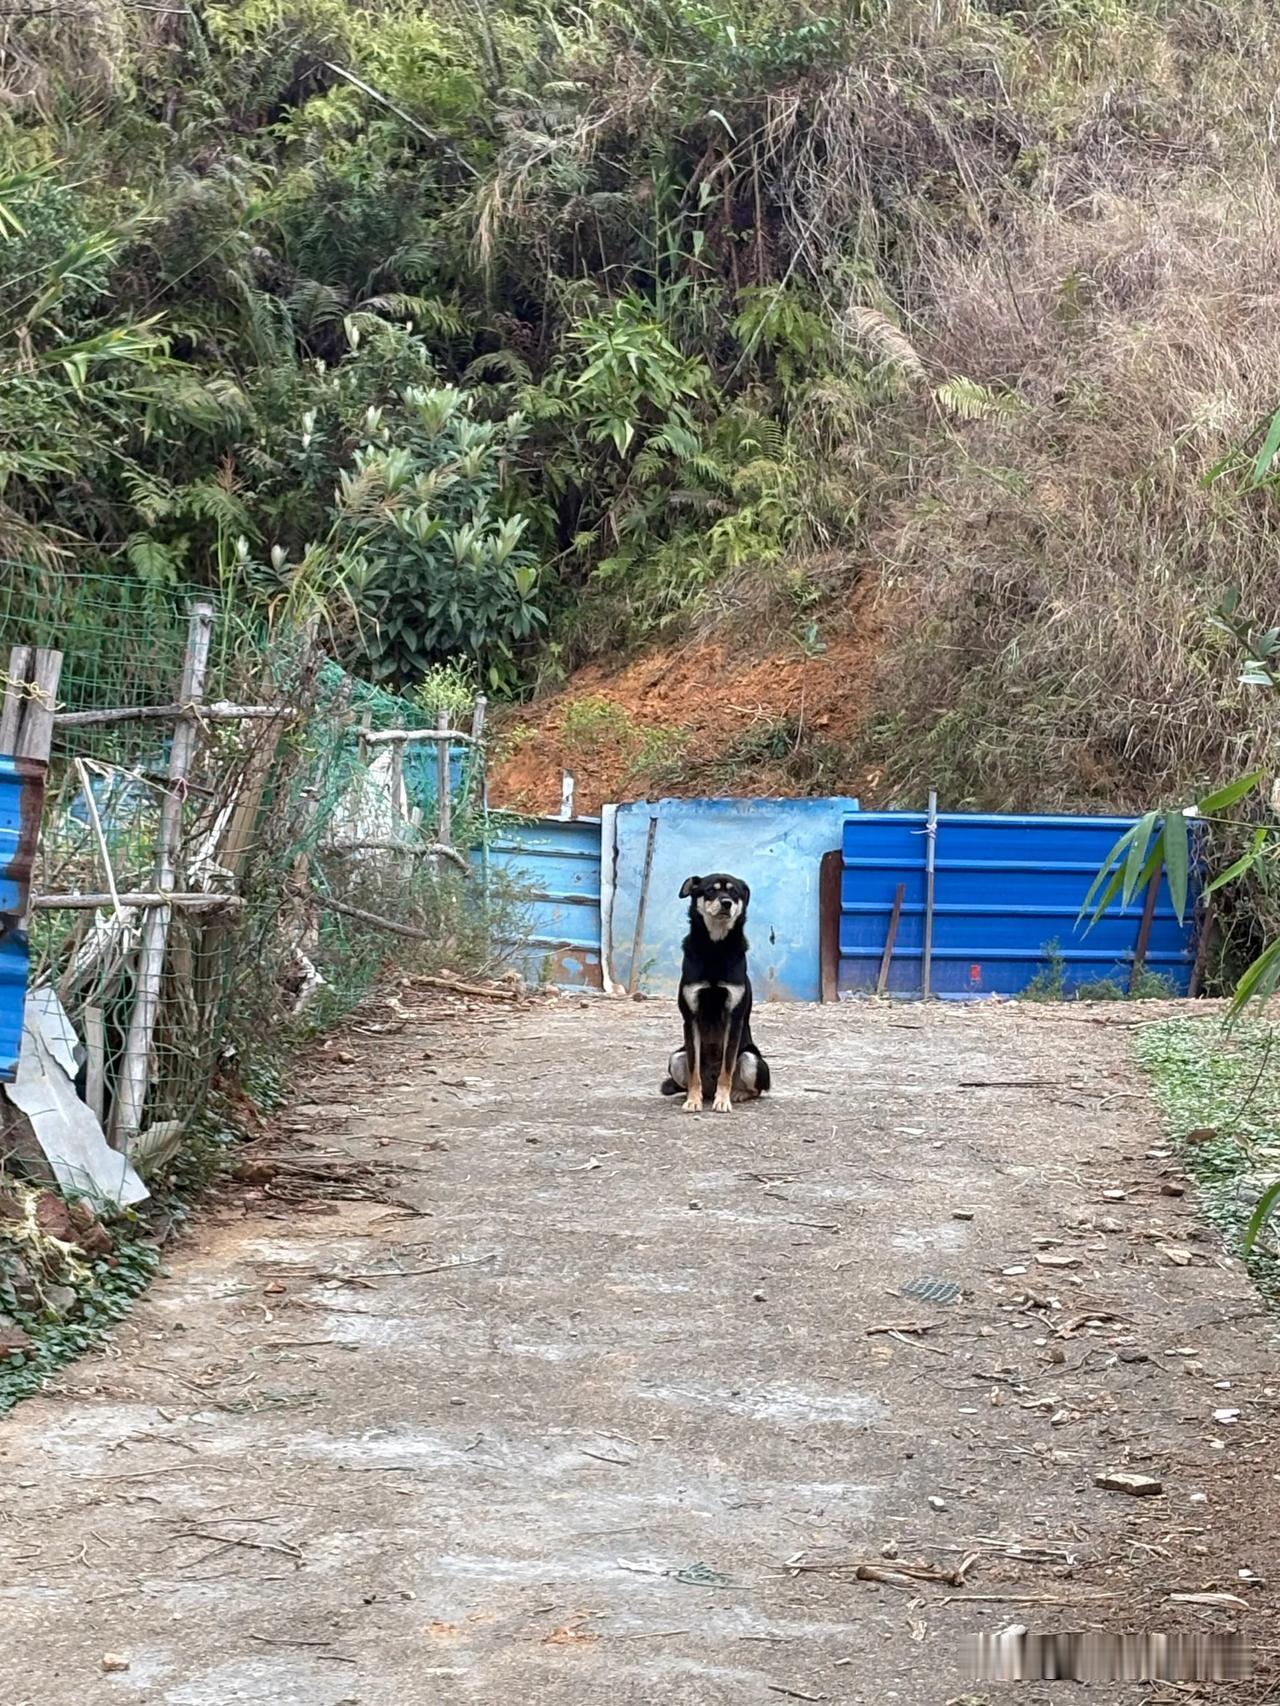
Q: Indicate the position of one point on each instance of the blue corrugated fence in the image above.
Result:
(1007, 897)
(555, 865)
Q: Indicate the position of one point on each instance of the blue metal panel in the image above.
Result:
(1007, 896)
(777, 845)
(21, 796)
(552, 868)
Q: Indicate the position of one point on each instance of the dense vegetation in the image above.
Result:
(527, 332)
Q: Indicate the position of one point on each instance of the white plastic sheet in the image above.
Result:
(68, 1132)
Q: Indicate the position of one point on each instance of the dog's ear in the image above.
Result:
(746, 893)
(688, 886)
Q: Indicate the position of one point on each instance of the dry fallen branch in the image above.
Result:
(436, 849)
(375, 919)
(897, 1574)
(458, 986)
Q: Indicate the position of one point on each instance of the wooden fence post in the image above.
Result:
(30, 696)
(131, 1090)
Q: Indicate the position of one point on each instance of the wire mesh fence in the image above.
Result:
(294, 836)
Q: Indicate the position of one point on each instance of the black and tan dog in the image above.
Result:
(719, 1061)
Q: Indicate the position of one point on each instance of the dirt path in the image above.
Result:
(629, 1408)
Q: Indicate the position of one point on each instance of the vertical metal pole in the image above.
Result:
(568, 787)
(131, 1091)
(930, 847)
(633, 973)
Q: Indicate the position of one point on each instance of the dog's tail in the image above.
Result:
(677, 1069)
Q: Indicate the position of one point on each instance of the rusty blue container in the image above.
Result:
(553, 865)
(21, 795)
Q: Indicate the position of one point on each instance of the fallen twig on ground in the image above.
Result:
(435, 1268)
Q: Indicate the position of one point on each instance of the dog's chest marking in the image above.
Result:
(733, 993)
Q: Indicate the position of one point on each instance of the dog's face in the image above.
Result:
(720, 901)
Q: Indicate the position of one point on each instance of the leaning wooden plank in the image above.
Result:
(891, 937)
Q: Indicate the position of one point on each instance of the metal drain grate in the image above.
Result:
(931, 1290)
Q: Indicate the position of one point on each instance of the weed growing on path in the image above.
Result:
(1219, 1093)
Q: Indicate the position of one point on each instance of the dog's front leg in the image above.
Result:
(733, 1020)
(693, 1054)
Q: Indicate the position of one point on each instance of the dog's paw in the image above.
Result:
(693, 1104)
(723, 1103)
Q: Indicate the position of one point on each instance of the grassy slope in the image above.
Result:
(1219, 1092)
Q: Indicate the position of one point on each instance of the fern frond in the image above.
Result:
(969, 401)
(497, 365)
(889, 341)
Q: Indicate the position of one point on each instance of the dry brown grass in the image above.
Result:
(1052, 574)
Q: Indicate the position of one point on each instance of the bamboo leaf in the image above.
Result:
(1104, 872)
(1267, 455)
(1143, 831)
(1175, 861)
(1224, 797)
(1261, 1215)
(1238, 868)
(1259, 980)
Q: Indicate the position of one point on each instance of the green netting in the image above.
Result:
(122, 640)
(275, 811)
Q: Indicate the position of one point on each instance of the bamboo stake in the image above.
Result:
(131, 1091)
(217, 711)
(144, 897)
(396, 782)
(444, 785)
(475, 776)
(442, 732)
(104, 852)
